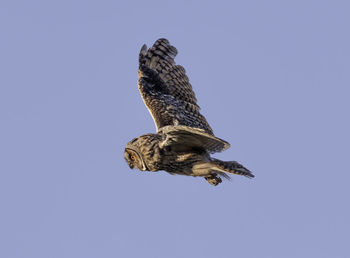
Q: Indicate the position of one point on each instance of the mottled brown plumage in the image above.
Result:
(184, 139)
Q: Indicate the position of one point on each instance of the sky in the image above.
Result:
(271, 77)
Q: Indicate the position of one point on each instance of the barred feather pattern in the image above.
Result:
(184, 140)
(231, 167)
(166, 90)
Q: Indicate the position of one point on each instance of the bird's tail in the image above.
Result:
(231, 167)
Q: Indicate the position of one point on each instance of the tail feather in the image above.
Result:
(231, 167)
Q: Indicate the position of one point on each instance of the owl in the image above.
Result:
(184, 140)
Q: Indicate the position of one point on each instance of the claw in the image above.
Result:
(213, 179)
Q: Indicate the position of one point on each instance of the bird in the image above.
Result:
(183, 140)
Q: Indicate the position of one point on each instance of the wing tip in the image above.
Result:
(164, 43)
(143, 50)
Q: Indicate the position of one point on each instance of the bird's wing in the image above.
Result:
(166, 90)
(182, 138)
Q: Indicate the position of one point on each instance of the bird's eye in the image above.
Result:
(133, 157)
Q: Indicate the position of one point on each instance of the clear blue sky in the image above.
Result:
(272, 78)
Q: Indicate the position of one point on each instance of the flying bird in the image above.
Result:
(184, 140)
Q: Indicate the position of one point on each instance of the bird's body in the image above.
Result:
(157, 157)
(184, 139)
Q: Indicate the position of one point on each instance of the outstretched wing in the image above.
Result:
(166, 90)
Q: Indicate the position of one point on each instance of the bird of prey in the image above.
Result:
(184, 140)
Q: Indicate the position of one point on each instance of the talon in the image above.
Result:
(213, 179)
